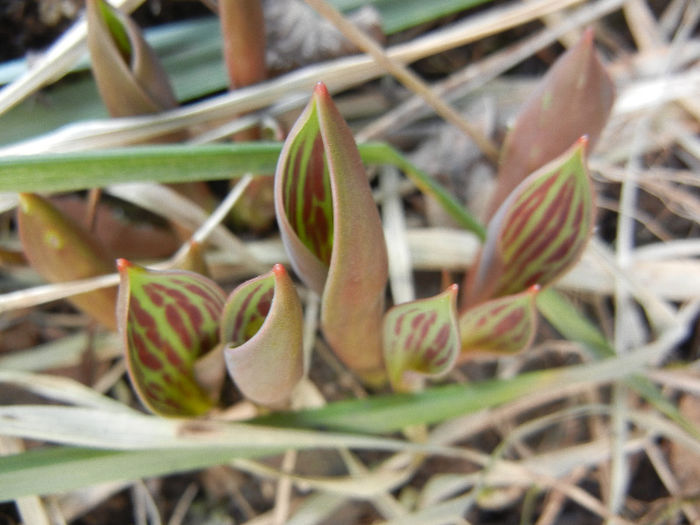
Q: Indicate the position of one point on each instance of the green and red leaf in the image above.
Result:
(421, 340)
(60, 250)
(303, 200)
(573, 99)
(332, 231)
(503, 325)
(168, 320)
(261, 331)
(539, 232)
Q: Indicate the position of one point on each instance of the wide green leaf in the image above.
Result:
(167, 321)
(421, 339)
(261, 330)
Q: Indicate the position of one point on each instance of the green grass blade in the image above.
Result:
(186, 163)
(167, 163)
(60, 469)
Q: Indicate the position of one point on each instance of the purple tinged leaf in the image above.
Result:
(60, 250)
(503, 325)
(421, 340)
(332, 231)
(167, 321)
(128, 73)
(573, 99)
(539, 232)
(261, 331)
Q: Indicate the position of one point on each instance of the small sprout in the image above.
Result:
(421, 340)
(60, 250)
(261, 331)
(168, 320)
(539, 232)
(503, 325)
(332, 231)
(128, 73)
(573, 99)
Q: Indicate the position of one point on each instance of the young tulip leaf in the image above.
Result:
(128, 73)
(60, 250)
(303, 200)
(573, 99)
(261, 331)
(421, 339)
(332, 231)
(538, 232)
(167, 321)
(503, 325)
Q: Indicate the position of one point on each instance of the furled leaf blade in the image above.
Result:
(353, 298)
(60, 250)
(539, 232)
(503, 325)
(261, 331)
(167, 321)
(421, 339)
(303, 200)
(574, 99)
(129, 76)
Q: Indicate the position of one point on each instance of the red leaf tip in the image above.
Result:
(321, 89)
(123, 265)
(278, 270)
(534, 289)
(453, 288)
(582, 143)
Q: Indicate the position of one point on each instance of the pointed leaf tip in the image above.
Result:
(321, 89)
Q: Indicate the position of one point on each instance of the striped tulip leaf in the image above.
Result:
(60, 250)
(261, 331)
(503, 325)
(539, 232)
(332, 231)
(168, 320)
(421, 340)
(576, 87)
(129, 76)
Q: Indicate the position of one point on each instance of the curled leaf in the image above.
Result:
(332, 231)
(421, 339)
(503, 325)
(573, 99)
(128, 73)
(167, 320)
(538, 232)
(60, 250)
(261, 331)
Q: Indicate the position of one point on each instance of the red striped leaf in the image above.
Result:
(167, 320)
(539, 232)
(261, 331)
(332, 231)
(421, 340)
(503, 325)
